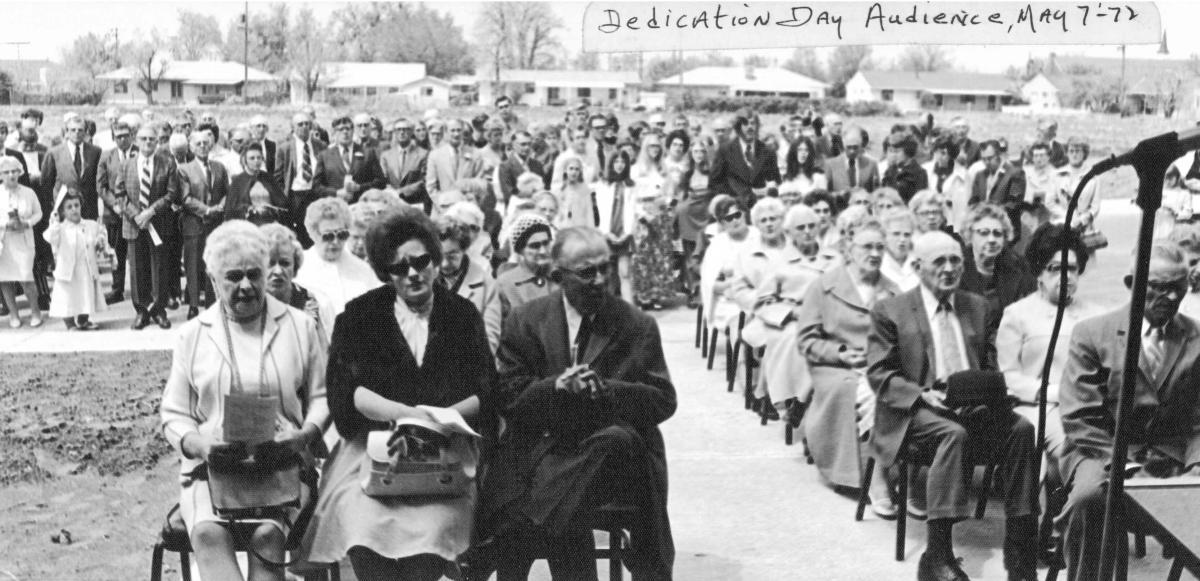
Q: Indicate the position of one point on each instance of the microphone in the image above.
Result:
(1154, 148)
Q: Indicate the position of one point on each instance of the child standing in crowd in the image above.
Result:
(652, 247)
(76, 242)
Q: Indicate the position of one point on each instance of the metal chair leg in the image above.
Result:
(1176, 570)
(704, 342)
(730, 364)
(185, 566)
(710, 347)
(863, 496)
(1139, 545)
(615, 572)
(749, 391)
(699, 324)
(787, 433)
(902, 510)
(156, 563)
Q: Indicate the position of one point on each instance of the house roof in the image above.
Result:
(349, 75)
(939, 82)
(562, 78)
(764, 79)
(199, 73)
(28, 70)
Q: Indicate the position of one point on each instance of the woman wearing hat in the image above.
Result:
(530, 278)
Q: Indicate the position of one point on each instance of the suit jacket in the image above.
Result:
(407, 178)
(164, 191)
(625, 350)
(330, 173)
(1058, 155)
(838, 171)
(908, 177)
(58, 169)
(199, 193)
(1164, 411)
(970, 148)
(287, 162)
(457, 364)
(731, 174)
(512, 168)
(107, 172)
(900, 359)
(1009, 190)
(270, 150)
(442, 171)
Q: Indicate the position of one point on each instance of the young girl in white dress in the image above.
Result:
(77, 293)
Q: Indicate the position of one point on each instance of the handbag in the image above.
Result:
(431, 461)
(1094, 240)
(252, 477)
(976, 388)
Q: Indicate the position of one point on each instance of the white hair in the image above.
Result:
(797, 213)
(926, 244)
(764, 205)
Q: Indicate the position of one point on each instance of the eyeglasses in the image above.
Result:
(121, 136)
(989, 233)
(344, 128)
(1163, 287)
(930, 213)
(822, 211)
(416, 263)
(731, 217)
(282, 262)
(539, 245)
(953, 260)
(591, 272)
(236, 276)
(861, 202)
(876, 247)
(339, 235)
(1055, 268)
(808, 226)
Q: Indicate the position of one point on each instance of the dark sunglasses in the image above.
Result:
(416, 263)
(236, 276)
(731, 217)
(591, 272)
(339, 235)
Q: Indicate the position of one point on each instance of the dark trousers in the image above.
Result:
(149, 269)
(197, 274)
(1082, 520)
(174, 245)
(116, 239)
(951, 447)
(300, 201)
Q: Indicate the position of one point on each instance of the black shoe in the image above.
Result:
(932, 569)
(113, 297)
(141, 321)
(162, 321)
(172, 303)
(192, 313)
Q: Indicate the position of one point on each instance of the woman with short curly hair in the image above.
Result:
(328, 268)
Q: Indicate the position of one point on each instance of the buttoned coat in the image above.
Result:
(58, 169)
(201, 193)
(288, 163)
(164, 191)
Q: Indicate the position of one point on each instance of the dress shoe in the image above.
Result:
(172, 303)
(3, 309)
(933, 569)
(162, 321)
(141, 321)
(192, 313)
(87, 326)
(917, 511)
(884, 508)
(113, 298)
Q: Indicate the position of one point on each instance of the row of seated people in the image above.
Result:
(860, 318)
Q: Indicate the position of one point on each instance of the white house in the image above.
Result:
(559, 87)
(747, 81)
(190, 82)
(1041, 93)
(941, 90)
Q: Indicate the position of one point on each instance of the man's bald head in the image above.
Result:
(929, 244)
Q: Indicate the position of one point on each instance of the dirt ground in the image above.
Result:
(82, 461)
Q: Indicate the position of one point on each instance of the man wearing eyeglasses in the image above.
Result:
(1164, 422)
(520, 160)
(917, 340)
(73, 164)
(453, 160)
(999, 182)
(363, 124)
(404, 165)
(146, 187)
(108, 170)
(346, 168)
(295, 171)
(853, 168)
(205, 186)
(504, 110)
(584, 385)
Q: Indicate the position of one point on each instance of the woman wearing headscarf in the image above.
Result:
(20, 211)
(253, 194)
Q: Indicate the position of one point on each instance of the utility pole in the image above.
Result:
(246, 46)
(1122, 87)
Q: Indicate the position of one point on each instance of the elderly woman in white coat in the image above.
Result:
(19, 211)
(247, 342)
(328, 267)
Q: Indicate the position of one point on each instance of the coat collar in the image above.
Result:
(210, 321)
(839, 284)
(555, 336)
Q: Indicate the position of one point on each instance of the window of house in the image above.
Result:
(886, 94)
(176, 89)
(393, 90)
(966, 99)
(121, 87)
(530, 88)
(583, 92)
(426, 91)
(371, 91)
(612, 94)
(552, 94)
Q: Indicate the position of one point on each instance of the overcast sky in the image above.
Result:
(48, 26)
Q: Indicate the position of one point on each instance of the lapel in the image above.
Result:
(918, 312)
(968, 328)
(1178, 336)
(603, 328)
(843, 288)
(553, 334)
(71, 162)
(1123, 336)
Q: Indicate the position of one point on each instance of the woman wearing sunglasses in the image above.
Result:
(329, 268)
(734, 233)
(428, 347)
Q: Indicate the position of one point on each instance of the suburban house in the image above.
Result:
(911, 91)
(557, 87)
(191, 83)
(1152, 85)
(33, 75)
(400, 84)
(746, 81)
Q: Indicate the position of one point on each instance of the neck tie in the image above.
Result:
(78, 163)
(207, 175)
(1152, 350)
(346, 158)
(853, 171)
(951, 356)
(582, 337)
(617, 226)
(941, 180)
(595, 211)
(750, 154)
(454, 166)
(603, 169)
(144, 194)
(835, 145)
(306, 164)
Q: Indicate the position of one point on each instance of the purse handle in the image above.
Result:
(432, 427)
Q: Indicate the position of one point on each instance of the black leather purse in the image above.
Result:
(976, 388)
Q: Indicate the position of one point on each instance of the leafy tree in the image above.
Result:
(196, 35)
(90, 56)
(587, 61)
(268, 39)
(844, 63)
(757, 61)
(804, 62)
(518, 35)
(660, 68)
(366, 33)
(307, 52)
(923, 58)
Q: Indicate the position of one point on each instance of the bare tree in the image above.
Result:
(521, 35)
(150, 64)
(196, 35)
(844, 63)
(307, 52)
(923, 58)
(804, 61)
(90, 56)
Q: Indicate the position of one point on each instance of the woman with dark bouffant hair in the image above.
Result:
(1024, 334)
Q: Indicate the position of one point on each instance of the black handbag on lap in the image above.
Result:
(976, 388)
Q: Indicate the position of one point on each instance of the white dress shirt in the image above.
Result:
(415, 328)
